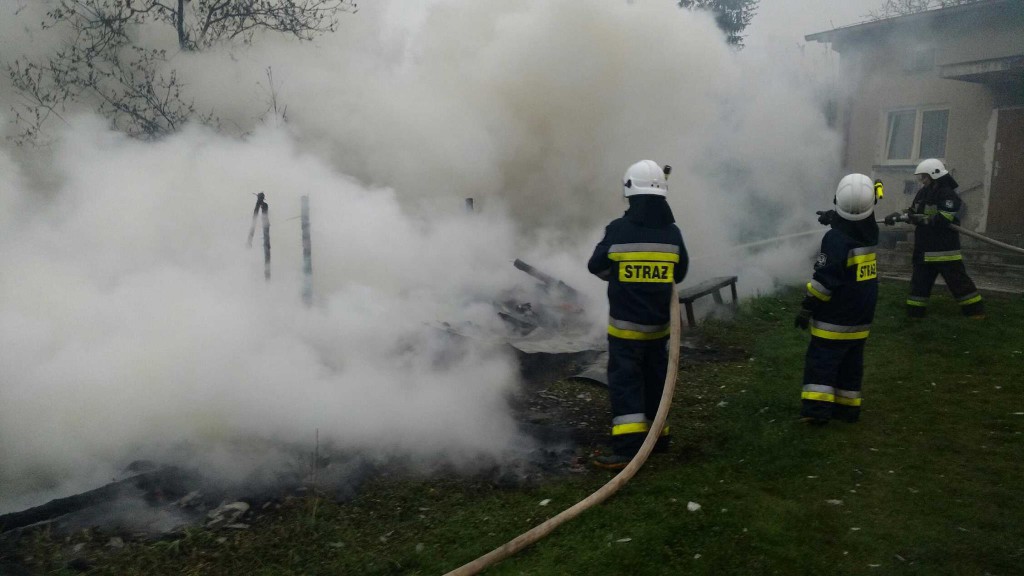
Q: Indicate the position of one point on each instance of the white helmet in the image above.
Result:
(855, 197)
(645, 177)
(931, 167)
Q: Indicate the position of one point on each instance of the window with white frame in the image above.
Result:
(916, 133)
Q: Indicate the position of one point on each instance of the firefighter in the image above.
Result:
(641, 255)
(840, 305)
(936, 245)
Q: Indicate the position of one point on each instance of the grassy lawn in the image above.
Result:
(928, 482)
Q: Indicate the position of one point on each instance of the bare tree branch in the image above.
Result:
(893, 8)
(101, 63)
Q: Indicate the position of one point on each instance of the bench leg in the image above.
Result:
(732, 287)
(717, 296)
(689, 314)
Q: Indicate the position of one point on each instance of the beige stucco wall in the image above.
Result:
(1002, 37)
(876, 83)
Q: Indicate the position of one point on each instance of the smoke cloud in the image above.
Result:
(135, 320)
(135, 317)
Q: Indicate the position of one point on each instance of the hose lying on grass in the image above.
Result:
(541, 530)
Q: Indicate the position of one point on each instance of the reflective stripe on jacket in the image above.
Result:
(941, 204)
(640, 264)
(843, 289)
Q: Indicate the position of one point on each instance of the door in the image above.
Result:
(1006, 198)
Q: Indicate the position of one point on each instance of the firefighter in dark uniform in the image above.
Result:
(840, 305)
(641, 255)
(936, 245)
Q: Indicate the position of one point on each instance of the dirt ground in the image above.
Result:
(567, 418)
(571, 417)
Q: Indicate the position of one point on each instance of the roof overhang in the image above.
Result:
(926, 18)
(992, 71)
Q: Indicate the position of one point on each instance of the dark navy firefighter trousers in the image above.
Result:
(833, 372)
(636, 381)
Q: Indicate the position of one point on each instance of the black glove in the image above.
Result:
(893, 218)
(826, 217)
(803, 319)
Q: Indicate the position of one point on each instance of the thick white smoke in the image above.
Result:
(537, 108)
(133, 318)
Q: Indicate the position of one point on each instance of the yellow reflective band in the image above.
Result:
(819, 396)
(829, 335)
(859, 259)
(634, 335)
(943, 258)
(947, 215)
(664, 431)
(646, 272)
(632, 428)
(916, 303)
(971, 300)
(650, 256)
(847, 401)
(817, 294)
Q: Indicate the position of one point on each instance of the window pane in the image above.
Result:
(933, 133)
(901, 134)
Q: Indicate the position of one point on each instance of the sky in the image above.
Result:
(136, 321)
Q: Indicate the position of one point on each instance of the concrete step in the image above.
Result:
(1011, 239)
(904, 232)
(983, 279)
(1011, 274)
(990, 255)
(998, 284)
(989, 270)
(973, 262)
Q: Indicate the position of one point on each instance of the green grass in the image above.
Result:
(929, 480)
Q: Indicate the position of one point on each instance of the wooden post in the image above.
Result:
(264, 208)
(307, 256)
(266, 241)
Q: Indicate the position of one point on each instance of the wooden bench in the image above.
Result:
(710, 286)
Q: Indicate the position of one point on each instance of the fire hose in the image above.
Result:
(983, 238)
(540, 531)
(991, 241)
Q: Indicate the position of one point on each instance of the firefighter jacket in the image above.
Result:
(641, 255)
(934, 240)
(844, 288)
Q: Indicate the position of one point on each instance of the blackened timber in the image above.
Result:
(264, 208)
(549, 281)
(266, 241)
(168, 482)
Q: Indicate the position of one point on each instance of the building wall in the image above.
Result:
(1002, 36)
(879, 78)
